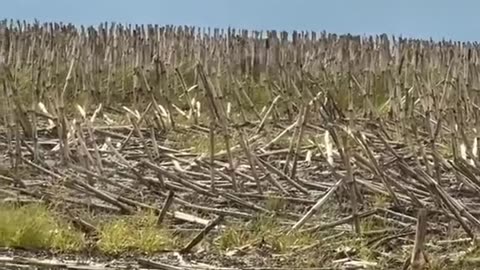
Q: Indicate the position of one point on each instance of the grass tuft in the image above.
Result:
(136, 233)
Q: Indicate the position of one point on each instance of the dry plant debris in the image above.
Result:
(201, 149)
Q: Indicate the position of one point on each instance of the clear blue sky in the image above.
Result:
(458, 20)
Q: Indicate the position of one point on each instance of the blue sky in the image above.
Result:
(458, 20)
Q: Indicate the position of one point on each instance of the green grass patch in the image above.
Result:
(260, 95)
(36, 227)
(275, 204)
(262, 229)
(380, 201)
(373, 224)
(134, 233)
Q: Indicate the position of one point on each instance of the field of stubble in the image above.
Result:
(162, 147)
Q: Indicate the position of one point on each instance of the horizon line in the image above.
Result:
(250, 30)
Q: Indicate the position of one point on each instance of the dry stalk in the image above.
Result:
(378, 171)
(243, 114)
(339, 222)
(251, 160)
(278, 172)
(91, 175)
(84, 154)
(103, 195)
(352, 184)
(96, 151)
(212, 155)
(317, 206)
(250, 102)
(435, 189)
(13, 98)
(36, 101)
(139, 121)
(62, 121)
(217, 113)
(202, 234)
(267, 114)
(291, 146)
(166, 206)
(187, 95)
(279, 136)
(180, 180)
(269, 177)
(142, 138)
(298, 143)
(418, 260)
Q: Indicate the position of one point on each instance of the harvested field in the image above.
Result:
(183, 148)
